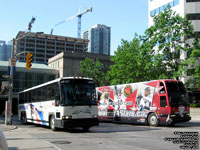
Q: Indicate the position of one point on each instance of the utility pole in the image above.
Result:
(12, 61)
(8, 114)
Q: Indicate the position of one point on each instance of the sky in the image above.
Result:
(125, 17)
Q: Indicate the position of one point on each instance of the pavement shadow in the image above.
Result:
(111, 128)
(12, 148)
(186, 124)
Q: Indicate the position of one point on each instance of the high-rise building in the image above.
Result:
(99, 39)
(5, 50)
(191, 8)
(44, 46)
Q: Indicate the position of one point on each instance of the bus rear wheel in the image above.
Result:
(153, 120)
(52, 123)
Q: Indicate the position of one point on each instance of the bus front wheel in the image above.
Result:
(52, 123)
(24, 118)
(86, 128)
(153, 120)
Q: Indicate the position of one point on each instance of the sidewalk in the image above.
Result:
(7, 127)
(20, 139)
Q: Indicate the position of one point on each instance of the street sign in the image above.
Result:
(8, 113)
(13, 61)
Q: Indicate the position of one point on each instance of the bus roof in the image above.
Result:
(173, 80)
(53, 81)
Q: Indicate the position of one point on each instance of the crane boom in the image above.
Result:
(79, 15)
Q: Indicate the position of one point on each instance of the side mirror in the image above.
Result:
(58, 102)
(57, 99)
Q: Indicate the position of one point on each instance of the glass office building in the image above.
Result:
(23, 79)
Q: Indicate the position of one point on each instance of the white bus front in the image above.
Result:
(76, 106)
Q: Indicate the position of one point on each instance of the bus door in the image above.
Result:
(164, 106)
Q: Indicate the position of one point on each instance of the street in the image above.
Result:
(106, 136)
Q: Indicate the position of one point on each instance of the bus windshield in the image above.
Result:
(78, 92)
(176, 93)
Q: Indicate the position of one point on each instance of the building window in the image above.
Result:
(192, 1)
(176, 2)
(193, 16)
(161, 8)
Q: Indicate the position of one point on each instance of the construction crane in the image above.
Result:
(79, 15)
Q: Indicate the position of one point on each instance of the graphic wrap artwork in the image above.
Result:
(126, 101)
(36, 114)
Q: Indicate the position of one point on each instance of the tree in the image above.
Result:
(191, 66)
(93, 69)
(132, 63)
(168, 39)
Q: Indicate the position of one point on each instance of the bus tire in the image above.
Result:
(24, 118)
(86, 128)
(152, 120)
(52, 123)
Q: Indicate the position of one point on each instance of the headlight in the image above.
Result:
(94, 116)
(66, 117)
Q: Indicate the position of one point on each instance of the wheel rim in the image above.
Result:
(153, 120)
(52, 123)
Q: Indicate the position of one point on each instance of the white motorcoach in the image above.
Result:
(62, 103)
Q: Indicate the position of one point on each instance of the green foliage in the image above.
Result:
(156, 55)
(93, 69)
(167, 38)
(195, 105)
(191, 66)
(132, 63)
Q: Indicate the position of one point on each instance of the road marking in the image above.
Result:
(52, 145)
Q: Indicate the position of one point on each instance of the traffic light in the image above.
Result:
(29, 59)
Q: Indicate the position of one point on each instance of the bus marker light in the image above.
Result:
(94, 116)
(66, 117)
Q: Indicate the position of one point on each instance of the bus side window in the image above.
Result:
(26, 97)
(50, 92)
(98, 97)
(44, 93)
(162, 91)
(163, 101)
(34, 95)
(39, 94)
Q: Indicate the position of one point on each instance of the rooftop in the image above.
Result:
(23, 65)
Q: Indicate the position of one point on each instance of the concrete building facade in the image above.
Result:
(44, 46)
(68, 63)
(99, 37)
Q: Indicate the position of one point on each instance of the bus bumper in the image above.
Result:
(176, 119)
(70, 123)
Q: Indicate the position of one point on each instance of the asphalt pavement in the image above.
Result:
(20, 137)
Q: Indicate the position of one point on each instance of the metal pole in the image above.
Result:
(8, 117)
